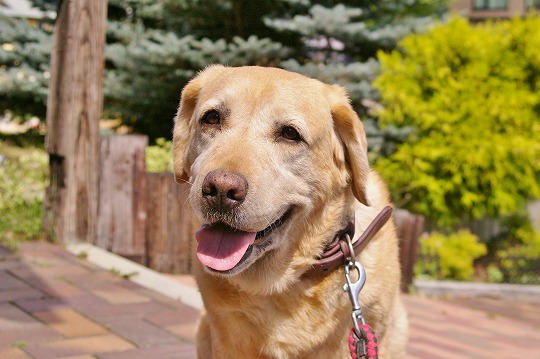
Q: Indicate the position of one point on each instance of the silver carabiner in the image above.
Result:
(354, 288)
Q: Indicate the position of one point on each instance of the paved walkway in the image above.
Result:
(56, 305)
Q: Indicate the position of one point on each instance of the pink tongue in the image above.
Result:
(220, 247)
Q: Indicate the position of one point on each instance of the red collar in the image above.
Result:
(337, 250)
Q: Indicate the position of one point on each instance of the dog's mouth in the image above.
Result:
(223, 248)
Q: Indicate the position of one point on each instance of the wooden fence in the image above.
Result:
(409, 228)
(145, 216)
(142, 216)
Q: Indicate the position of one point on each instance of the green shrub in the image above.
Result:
(472, 94)
(159, 157)
(520, 263)
(449, 257)
(494, 274)
(23, 177)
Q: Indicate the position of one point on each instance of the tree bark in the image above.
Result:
(74, 108)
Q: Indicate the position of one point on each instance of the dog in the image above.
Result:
(277, 164)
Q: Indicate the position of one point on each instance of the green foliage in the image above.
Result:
(23, 176)
(226, 19)
(24, 65)
(338, 43)
(153, 50)
(339, 39)
(21, 344)
(494, 274)
(520, 263)
(449, 257)
(154, 47)
(159, 157)
(362, 27)
(472, 93)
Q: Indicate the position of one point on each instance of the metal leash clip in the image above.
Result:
(362, 339)
(354, 288)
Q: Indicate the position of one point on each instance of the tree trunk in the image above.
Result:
(74, 109)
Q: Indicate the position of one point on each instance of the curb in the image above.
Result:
(471, 289)
(137, 273)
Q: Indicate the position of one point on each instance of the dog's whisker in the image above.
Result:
(182, 181)
(185, 202)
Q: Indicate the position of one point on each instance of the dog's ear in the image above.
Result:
(183, 129)
(352, 150)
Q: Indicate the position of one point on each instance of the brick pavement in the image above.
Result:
(453, 329)
(55, 305)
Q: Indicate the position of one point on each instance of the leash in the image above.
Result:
(362, 339)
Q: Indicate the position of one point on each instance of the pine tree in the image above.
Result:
(340, 43)
(155, 48)
(24, 67)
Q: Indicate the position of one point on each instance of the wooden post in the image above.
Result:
(409, 228)
(121, 218)
(169, 229)
(74, 108)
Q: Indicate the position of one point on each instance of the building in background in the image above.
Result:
(23, 9)
(479, 10)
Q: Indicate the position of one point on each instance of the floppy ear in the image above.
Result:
(353, 151)
(184, 125)
(183, 129)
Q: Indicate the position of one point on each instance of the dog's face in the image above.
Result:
(265, 151)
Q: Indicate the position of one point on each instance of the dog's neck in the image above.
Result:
(337, 251)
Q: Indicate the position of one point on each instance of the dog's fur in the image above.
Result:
(264, 307)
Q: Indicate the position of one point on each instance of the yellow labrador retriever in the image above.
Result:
(277, 165)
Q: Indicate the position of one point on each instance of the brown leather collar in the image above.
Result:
(337, 251)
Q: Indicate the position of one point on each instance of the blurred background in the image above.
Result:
(449, 93)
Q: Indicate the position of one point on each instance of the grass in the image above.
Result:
(128, 276)
(23, 178)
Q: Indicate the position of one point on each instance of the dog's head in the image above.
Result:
(272, 157)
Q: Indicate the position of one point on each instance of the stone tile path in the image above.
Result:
(56, 305)
(454, 329)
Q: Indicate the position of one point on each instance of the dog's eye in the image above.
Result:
(291, 134)
(211, 118)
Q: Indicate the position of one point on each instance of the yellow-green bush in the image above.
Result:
(449, 257)
(521, 263)
(159, 157)
(472, 94)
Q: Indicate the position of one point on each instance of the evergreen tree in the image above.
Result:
(149, 57)
(24, 67)
(340, 42)
(226, 19)
(154, 49)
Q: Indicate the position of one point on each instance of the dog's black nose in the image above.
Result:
(224, 190)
